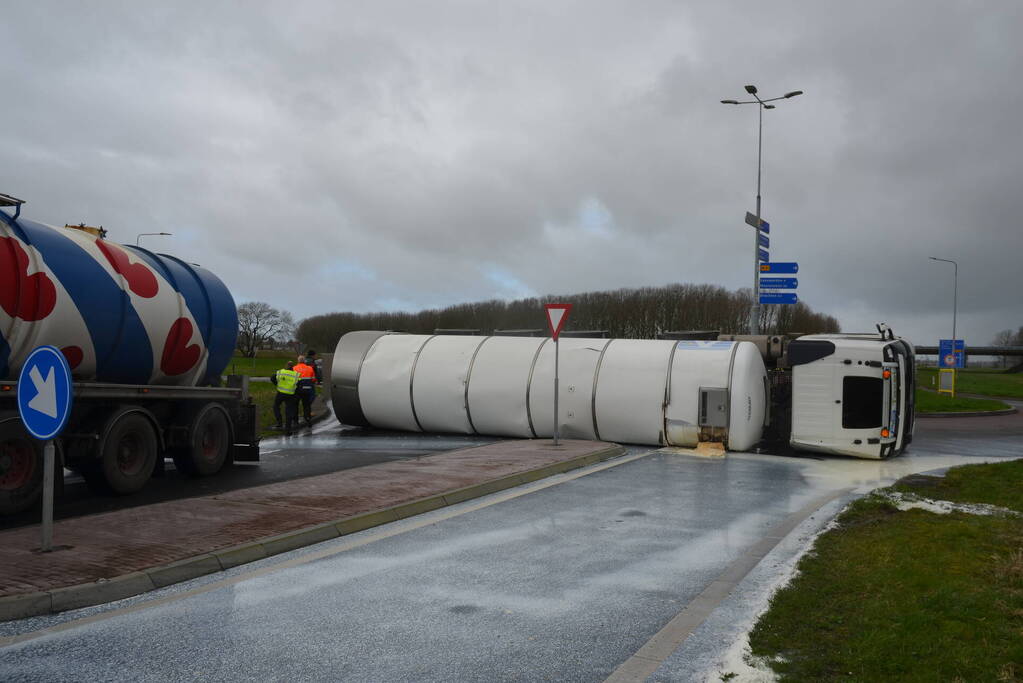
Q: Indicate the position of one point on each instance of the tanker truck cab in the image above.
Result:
(852, 394)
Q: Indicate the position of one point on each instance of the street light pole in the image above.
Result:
(754, 323)
(955, 295)
(138, 239)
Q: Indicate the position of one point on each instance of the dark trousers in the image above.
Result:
(306, 394)
(290, 402)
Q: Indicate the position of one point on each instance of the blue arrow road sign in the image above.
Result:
(765, 241)
(779, 282)
(778, 298)
(763, 255)
(44, 392)
(787, 268)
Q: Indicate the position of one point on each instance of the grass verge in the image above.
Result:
(984, 381)
(931, 402)
(907, 595)
(260, 366)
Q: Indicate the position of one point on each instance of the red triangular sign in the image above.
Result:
(557, 314)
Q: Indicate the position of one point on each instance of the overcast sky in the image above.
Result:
(382, 155)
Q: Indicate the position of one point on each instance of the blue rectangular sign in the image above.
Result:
(778, 298)
(787, 268)
(765, 241)
(763, 255)
(947, 358)
(779, 282)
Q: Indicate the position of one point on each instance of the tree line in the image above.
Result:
(639, 313)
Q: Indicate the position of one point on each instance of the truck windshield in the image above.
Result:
(862, 402)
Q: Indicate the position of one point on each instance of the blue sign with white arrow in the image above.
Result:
(763, 255)
(779, 282)
(764, 240)
(44, 392)
(778, 298)
(783, 268)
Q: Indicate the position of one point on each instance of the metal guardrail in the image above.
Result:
(976, 350)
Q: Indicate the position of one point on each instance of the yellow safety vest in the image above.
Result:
(287, 381)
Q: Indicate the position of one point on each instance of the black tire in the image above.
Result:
(21, 468)
(127, 456)
(209, 443)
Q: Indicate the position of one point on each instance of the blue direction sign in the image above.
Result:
(779, 282)
(765, 241)
(778, 298)
(949, 357)
(787, 268)
(44, 392)
(763, 255)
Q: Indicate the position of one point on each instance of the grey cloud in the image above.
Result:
(332, 156)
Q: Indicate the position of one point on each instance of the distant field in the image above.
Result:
(261, 366)
(931, 402)
(985, 381)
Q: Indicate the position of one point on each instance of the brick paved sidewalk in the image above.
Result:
(112, 544)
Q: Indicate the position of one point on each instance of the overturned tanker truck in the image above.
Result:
(846, 394)
(146, 337)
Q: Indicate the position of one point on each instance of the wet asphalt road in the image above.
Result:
(562, 581)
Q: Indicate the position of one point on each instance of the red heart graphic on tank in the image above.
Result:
(178, 356)
(140, 279)
(29, 297)
(74, 356)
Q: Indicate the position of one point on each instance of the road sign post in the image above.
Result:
(951, 357)
(44, 403)
(556, 316)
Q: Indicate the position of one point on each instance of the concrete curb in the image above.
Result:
(136, 583)
(971, 413)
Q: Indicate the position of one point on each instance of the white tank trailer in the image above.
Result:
(845, 394)
(655, 392)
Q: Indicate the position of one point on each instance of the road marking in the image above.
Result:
(663, 644)
(403, 526)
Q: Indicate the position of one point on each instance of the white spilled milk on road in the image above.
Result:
(651, 392)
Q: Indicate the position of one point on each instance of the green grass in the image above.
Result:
(931, 402)
(260, 366)
(974, 484)
(984, 381)
(907, 596)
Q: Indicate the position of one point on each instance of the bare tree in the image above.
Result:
(1005, 338)
(260, 323)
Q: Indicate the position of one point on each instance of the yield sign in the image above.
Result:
(556, 316)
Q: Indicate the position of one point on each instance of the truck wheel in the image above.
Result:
(209, 442)
(21, 468)
(127, 456)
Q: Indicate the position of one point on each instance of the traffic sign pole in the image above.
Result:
(556, 344)
(45, 394)
(49, 456)
(557, 314)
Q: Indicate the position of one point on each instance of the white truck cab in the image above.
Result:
(852, 394)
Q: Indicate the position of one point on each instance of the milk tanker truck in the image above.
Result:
(844, 394)
(146, 337)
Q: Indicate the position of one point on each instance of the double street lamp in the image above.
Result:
(762, 104)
